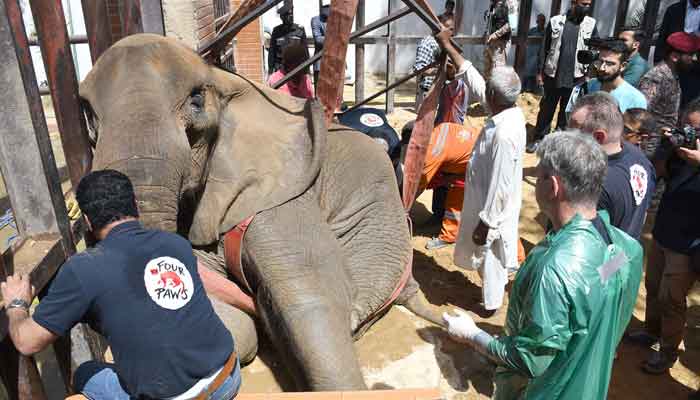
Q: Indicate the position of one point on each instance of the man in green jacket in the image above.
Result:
(575, 293)
(637, 66)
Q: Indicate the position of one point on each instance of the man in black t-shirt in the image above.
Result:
(141, 290)
(631, 178)
(671, 271)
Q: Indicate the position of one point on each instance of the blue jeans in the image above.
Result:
(98, 381)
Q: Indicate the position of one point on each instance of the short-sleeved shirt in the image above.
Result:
(663, 93)
(627, 96)
(677, 225)
(140, 289)
(637, 66)
(628, 188)
(302, 89)
(426, 54)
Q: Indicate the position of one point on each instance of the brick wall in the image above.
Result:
(248, 51)
(114, 19)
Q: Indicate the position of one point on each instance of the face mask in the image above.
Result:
(582, 11)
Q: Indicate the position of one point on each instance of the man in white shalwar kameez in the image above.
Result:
(488, 233)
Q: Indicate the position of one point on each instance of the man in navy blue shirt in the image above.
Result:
(140, 289)
(631, 178)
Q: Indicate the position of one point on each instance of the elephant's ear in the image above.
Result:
(269, 150)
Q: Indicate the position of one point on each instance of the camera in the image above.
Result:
(684, 137)
(595, 45)
(586, 57)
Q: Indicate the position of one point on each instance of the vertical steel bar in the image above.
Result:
(390, 61)
(97, 27)
(525, 14)
(26, 158)
(60, 70)
(130, 13)
(360, 55)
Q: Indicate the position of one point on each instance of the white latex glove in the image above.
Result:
(461, 326)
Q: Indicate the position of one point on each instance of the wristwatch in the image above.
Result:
(18, 303)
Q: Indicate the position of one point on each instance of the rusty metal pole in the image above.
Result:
(97, 27)
(60, 70)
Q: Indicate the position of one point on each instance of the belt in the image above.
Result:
(220, 378)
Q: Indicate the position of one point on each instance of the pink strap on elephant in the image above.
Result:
(233, 241)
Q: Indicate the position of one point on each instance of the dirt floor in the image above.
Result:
(403, 351)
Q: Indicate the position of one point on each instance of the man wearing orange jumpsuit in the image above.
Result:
(446, 163)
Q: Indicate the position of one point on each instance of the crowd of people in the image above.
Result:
(625, 153)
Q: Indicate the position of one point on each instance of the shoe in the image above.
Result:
(436, 243)
(532, 147)
(658, 363)
(641, 337)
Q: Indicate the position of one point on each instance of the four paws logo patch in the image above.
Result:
(371, 120)
(638, 182)
(168, 282)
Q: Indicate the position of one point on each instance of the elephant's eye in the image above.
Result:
(197, 102)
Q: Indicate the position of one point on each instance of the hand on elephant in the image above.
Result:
(73, 209)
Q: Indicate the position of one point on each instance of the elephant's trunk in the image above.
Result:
(157, 186)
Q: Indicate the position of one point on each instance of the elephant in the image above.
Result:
(206, 149)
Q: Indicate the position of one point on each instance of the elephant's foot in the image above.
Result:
(242, 328)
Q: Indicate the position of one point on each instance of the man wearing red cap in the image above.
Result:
(660, 85)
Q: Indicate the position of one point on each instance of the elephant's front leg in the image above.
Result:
(303, 294)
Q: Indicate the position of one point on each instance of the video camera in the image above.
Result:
(592, 55)
(685, 137)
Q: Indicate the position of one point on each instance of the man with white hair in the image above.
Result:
(631, 179)
(575, 293)
(488, 233)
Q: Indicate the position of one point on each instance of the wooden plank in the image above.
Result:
(390, 62)
(399, 394)
(26, 158)
(97, 26)
(525, 14)
(360, 54)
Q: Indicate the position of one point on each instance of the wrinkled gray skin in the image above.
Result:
(205, 149)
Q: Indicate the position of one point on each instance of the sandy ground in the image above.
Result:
(403, 351)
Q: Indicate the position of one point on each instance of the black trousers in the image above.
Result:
(548, 105)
